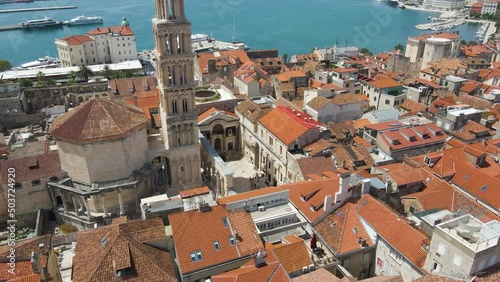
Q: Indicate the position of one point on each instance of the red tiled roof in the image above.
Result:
(76, 39)
(402, 136)
(213, 111)
(316, 165)
(101, 253)
(146, 103)
(338, 230)
(194, 192)
(222, 58)
(31, 168)
(189, 230)
(293, 256)
(122, 30)
(407, 240)
(296, 125)
(317, 275)
(387, 125)
(446, 35)
(308, 194)
(250, 194)
(384, 83)
(97, 120)
(470, 131)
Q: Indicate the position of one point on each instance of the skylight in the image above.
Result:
(467, 177)
(484, 188)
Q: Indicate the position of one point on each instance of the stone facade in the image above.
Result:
(172, 34)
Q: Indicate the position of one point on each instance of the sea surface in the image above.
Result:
(292, 26)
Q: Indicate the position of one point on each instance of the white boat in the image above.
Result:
(45, 62)
(82, 20)
(46, 22)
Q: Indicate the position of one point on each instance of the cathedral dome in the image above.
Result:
(125, 22)
(97, 120)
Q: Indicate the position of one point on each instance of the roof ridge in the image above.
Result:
(105, 253)
(110, 116)
(346, 212)
(277, 266)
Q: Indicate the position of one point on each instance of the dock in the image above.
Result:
(11, 27)
(37, 9)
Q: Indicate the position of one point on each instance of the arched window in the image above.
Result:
(167, 44)
(174, 106)
(184, 105)
(179, 43)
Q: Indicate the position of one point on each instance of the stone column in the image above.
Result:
(75, 204)
(105, 211)
(120, 201)
(224, 146)
(137, 201)
(87, 208)
(64, 202)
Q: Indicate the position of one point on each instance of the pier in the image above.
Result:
(36, 9)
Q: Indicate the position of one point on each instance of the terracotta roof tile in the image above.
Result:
(316, 165)
(318, 103)
(296, 125)
(147, 104)
(342, 230)
(213, 111)
(343, 99)
(252, 111)
(101, 252)
(32, 168)
(472, 130)
(140, 86)
(189, 233)
(250, 194)
(413, 106)
(318, 147)
(400, 235)
(384, 83)
(317, 275)
(353, 158)
(222, 58)
(122, 30)
(293, 256)
(97, 120)
(401, 139)
(360, 123)
(76, 39)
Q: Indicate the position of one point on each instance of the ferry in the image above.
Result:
(45, 62)
(47, 22)
(83, 20)
(203, 43)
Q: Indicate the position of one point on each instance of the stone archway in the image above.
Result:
(218, 144)
(162, 175)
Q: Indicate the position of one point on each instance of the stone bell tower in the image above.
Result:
(174, 64)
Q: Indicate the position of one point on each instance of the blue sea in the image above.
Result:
(292, 26)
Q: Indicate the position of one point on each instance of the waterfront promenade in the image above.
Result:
(36, 9)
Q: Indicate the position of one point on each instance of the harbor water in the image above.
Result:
(292, 26)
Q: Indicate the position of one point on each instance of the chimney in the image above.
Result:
(259, 259)
(136, 103)
(344, 183)
(204, 207)
(365, 186)
(35, 262)
(327, 206)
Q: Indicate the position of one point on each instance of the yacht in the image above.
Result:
(82, 20)
(47, 22)
(45, 62)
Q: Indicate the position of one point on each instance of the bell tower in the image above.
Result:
(174, 66)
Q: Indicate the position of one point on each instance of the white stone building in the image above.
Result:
(443, 4)
(384, 93)
(99, 46)
(489, 7)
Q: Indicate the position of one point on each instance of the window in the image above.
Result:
(345, 263)
(225, 222)
(198, 255)
(174, 106)
(436, 267)
(441, 250)
(231, 240)
(193, 256)
(216, 245)
(270, 140)
(457, 260)
(374, 98)
(387, 102)
(184, 105)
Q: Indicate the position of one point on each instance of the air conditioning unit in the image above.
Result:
(262, 208)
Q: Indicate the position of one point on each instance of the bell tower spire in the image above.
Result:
(174, 66)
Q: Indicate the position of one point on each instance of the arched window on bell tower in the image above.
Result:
(167, 45)
(184, 105)
(179, 43)
(174, 106)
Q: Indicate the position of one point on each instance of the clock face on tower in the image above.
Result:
(174, 63)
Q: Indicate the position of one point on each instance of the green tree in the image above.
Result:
(72, 75)
(85, 73)
(40, 79)
(399, 47)
(463, 42)
(366, 52)
(285, 58)
(107, 72)
(5, 65)
(24, 82)
(472, 42)
(116, 74)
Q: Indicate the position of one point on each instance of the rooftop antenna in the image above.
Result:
(346, 42)
(337, 42)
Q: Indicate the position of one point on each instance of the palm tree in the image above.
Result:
(399, 47)
(85, 72)
(106, 72)
(40, 79)
(72, 75)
